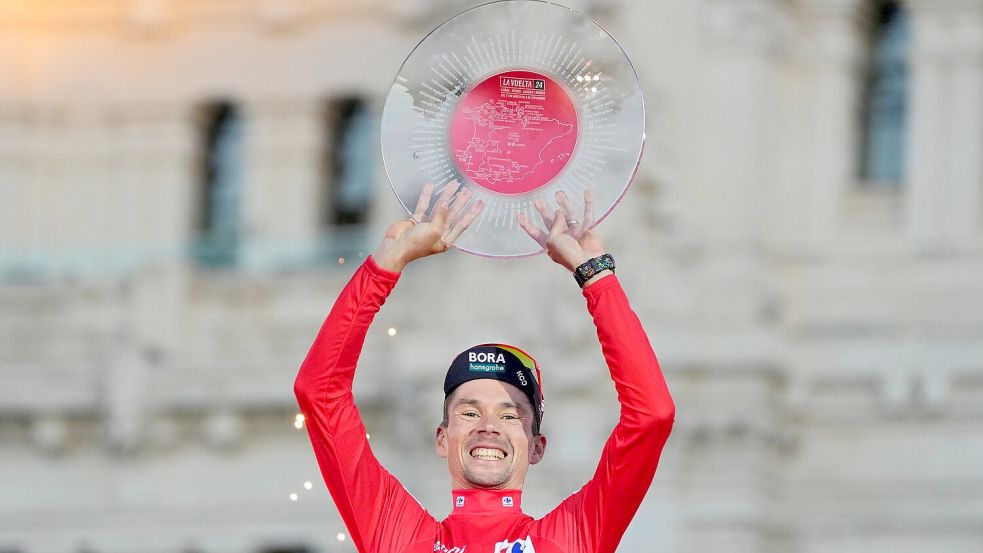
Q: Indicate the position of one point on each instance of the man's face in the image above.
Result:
(488, 442)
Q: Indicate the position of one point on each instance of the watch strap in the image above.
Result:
(593, 266)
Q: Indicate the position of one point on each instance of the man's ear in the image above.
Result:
(441, 442)
(537, 449)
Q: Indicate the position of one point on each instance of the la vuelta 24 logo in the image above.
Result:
(517, 546)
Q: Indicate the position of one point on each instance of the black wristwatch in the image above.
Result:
(593, 266)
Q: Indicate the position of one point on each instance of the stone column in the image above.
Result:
(284, 195)
(173, 171)
(722, 473)
(150, 162)
(945, 138)
(13, 188)
(153, 186)
(742, 49)
(834, 50)
(743, 46)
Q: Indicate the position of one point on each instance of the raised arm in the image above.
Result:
(379, 513)
(600, 512)
(596, 517)
(375, 507)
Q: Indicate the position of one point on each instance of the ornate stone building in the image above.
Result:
(185, 186)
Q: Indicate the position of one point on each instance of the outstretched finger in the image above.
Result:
(464, 222)
(423, 202)
(561, 198)
(458, 203)
(532, 230)
(559, 224)
(445, 198)
(544, 212)
(588, 221)
(438, 217)
(446, 195)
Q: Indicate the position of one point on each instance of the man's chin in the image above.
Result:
(486, 480)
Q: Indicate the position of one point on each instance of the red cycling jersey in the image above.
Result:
(382, 517)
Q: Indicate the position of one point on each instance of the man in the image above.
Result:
(491, 428)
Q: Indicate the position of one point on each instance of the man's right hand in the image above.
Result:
(426, 234)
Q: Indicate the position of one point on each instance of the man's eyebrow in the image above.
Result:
(476, 403)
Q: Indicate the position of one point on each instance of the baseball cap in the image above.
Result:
(498, 362)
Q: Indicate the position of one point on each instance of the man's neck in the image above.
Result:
(486, 502)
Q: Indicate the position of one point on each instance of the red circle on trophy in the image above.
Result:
(525, 106)
(513, 132)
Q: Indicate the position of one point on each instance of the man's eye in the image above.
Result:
(469, 414)
(510, 417)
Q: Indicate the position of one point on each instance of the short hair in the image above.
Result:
(447, 404)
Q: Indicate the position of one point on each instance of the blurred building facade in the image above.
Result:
(186, 185)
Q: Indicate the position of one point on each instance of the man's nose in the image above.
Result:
(488, 425)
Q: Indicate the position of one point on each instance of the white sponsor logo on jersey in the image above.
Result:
(517, 546)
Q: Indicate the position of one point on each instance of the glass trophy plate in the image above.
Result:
(516, 101)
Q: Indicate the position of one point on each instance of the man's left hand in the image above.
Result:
(568, 242)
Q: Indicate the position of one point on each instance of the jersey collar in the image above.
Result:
(485, 502)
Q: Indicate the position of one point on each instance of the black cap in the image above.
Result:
(498, 362)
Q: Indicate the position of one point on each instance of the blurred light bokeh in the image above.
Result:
(185, 185)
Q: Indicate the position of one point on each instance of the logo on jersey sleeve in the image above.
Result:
(517, 546)
(441, 548)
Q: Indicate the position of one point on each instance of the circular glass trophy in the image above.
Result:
(514, 102)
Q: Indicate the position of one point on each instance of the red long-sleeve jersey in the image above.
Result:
(382, 517)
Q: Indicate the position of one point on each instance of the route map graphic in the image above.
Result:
(514, 132)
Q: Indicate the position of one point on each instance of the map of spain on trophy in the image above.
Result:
(514, 132)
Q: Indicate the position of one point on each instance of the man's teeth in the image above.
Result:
(487, 454)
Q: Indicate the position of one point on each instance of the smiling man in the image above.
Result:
(491, 383)
(493, 408)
